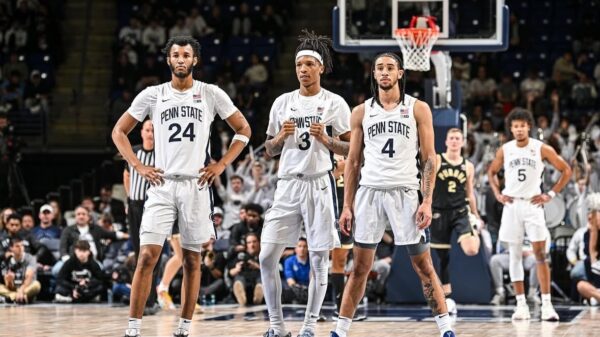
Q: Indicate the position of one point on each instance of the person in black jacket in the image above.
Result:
(106, 204)
(253, 223)
(80, 279)
(84, 230)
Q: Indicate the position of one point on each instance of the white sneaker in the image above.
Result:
(451, 305)
(521, 312)
(548, 313)
(498, 299)
(62, 299)
(593, 301)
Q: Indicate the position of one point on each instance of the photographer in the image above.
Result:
(19, 272)
(296, 271)
(245, 271)
(80, 278)
(213, 266)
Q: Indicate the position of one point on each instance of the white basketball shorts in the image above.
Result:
(520, 217)
(310, 200)
(180, 199)
(375, 208)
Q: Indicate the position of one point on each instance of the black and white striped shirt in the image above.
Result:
(137, 184)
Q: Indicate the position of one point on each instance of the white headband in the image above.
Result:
(307, 52)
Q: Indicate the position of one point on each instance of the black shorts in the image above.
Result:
(175, 230)
(346, 241)
(444, 221)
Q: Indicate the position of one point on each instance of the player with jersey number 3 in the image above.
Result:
(523, 161)
(182, 111)
(392, 151)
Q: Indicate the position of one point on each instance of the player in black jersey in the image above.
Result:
(453, 199)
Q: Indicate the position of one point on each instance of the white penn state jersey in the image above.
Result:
(391, 150)
(182, 123)
(523, 169)
(301, 153)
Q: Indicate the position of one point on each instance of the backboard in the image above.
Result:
(465, 25)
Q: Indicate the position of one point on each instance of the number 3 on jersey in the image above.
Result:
(187, 133)
(389, 148)
(305, 141)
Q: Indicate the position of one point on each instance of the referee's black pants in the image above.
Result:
(134, 217)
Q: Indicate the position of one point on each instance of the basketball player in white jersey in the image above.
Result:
(392, 151)
(182, 112)
(302, 128)
(523, 161)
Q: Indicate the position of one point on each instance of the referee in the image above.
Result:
(136, 187)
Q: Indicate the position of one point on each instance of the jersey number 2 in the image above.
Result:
(389, 148)
(187, 133)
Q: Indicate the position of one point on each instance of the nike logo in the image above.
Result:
(372, 115)
(323, 189)
(293, 109)
(322, 285)
(165, 99)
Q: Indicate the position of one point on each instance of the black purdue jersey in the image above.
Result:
(339, 187)
(450, 185)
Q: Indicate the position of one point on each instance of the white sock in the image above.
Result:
(521, 299)
(546, 299)
(134, 326)
(270, 254)
(443, 322)
(319, 263)
(500, 291)
(184, 324)
(343, 326)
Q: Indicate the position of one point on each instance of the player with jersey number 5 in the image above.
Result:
(392, 152)
(523, 161)
(182, 111)
(303, 126)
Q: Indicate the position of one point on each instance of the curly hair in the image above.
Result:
(375, 87)
(519, 114)
(319, 43)
(182, 41)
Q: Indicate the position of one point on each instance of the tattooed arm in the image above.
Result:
(428, 161)
(274, 145)
(338, 146)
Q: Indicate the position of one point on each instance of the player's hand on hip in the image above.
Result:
(152, 174)
(317, 130)
(345, 221)
(504, 199)
(540, 199)
(288, 128)
(423, 216)
(209, 173)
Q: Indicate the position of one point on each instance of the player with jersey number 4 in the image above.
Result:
(523, 161)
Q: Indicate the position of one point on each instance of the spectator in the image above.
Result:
(46, 229)
(589, 286)
(88, 203)
(532, 85)
(122, 276)
(296, 271)
(213, 271)
(179, 29)
(565, 68)
(233, 197)
(107, 204)
(576, 254)
(507, 93)
(263, 190)
(223, 235)
(499, 264)
(19, 274)
(242, 22)
(269, 23)
(4, 214)
(131, 34)
(13, 90)
(482, 88)
(153, 37)
(197, 25)
(257, 73)
(58, 216)
(83, 230)
(27, 222)
(80, 279)
(36, 93)
(252, 224)
(584, 93)
(245, 271)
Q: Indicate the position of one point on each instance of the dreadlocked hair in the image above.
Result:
(375, 87)
(319, 43)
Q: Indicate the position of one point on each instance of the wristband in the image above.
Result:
(551, 193)
(241, 138)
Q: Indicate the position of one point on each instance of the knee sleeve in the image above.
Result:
(515, 268)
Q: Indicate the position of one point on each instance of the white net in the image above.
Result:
(416, 44)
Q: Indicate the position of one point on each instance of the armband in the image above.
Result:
(241, 138)
(551, 193)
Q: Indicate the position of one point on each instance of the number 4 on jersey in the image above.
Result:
(389, 148)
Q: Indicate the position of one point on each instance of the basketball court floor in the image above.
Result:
(233, 321)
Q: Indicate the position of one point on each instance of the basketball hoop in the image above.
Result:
(416, 42)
